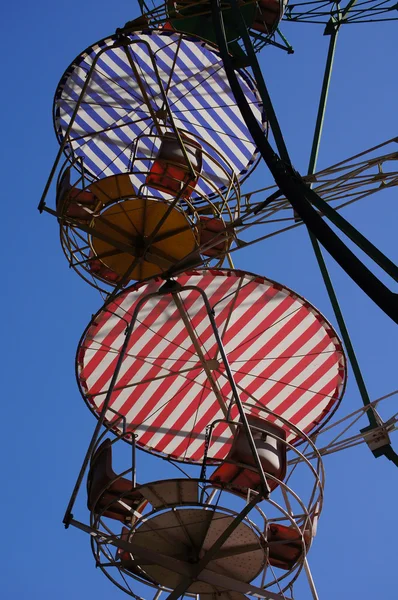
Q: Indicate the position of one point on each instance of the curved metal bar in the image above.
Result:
(42, 202)
(101, 419)
(235, 393)
(99, 527)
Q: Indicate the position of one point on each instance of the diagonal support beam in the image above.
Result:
(196, 344)
(300, 196)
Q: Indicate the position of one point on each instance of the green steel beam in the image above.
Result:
(262, 88)
(343, 329)
(302, 201)
(323, 98)
(333, 30)
(300, 196)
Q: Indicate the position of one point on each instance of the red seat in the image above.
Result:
(286, 546)
(271, 451)
(75, 200)
(106, 492)
(170, 172)
(267, 16)
(98, 268)
(209, 227)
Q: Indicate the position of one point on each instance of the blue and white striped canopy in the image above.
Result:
(124, 90)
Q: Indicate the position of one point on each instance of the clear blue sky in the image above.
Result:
(46, 425)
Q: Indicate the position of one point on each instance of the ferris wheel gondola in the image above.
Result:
(215, 370)
(284, 356)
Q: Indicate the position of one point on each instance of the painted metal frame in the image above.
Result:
(304, 517)
(199, 570)
(165, 289)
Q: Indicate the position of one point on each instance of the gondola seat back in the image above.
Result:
(269, 441)
(107, 494)
(286, 545)
(170, 171)
(74, 202)
(210, 227)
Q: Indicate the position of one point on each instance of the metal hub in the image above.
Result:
(187, 534)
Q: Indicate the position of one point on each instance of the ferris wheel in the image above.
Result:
(233, 379)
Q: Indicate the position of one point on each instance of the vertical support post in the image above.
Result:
(133, 462)
(235, 393)
(126, 48)
(310, 580)
(163, 94)
(104, 409)
(68, 130)
(195, 342)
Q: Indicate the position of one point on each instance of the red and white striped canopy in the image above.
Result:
(172, 384)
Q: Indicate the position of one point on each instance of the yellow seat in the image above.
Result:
(130, 224)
